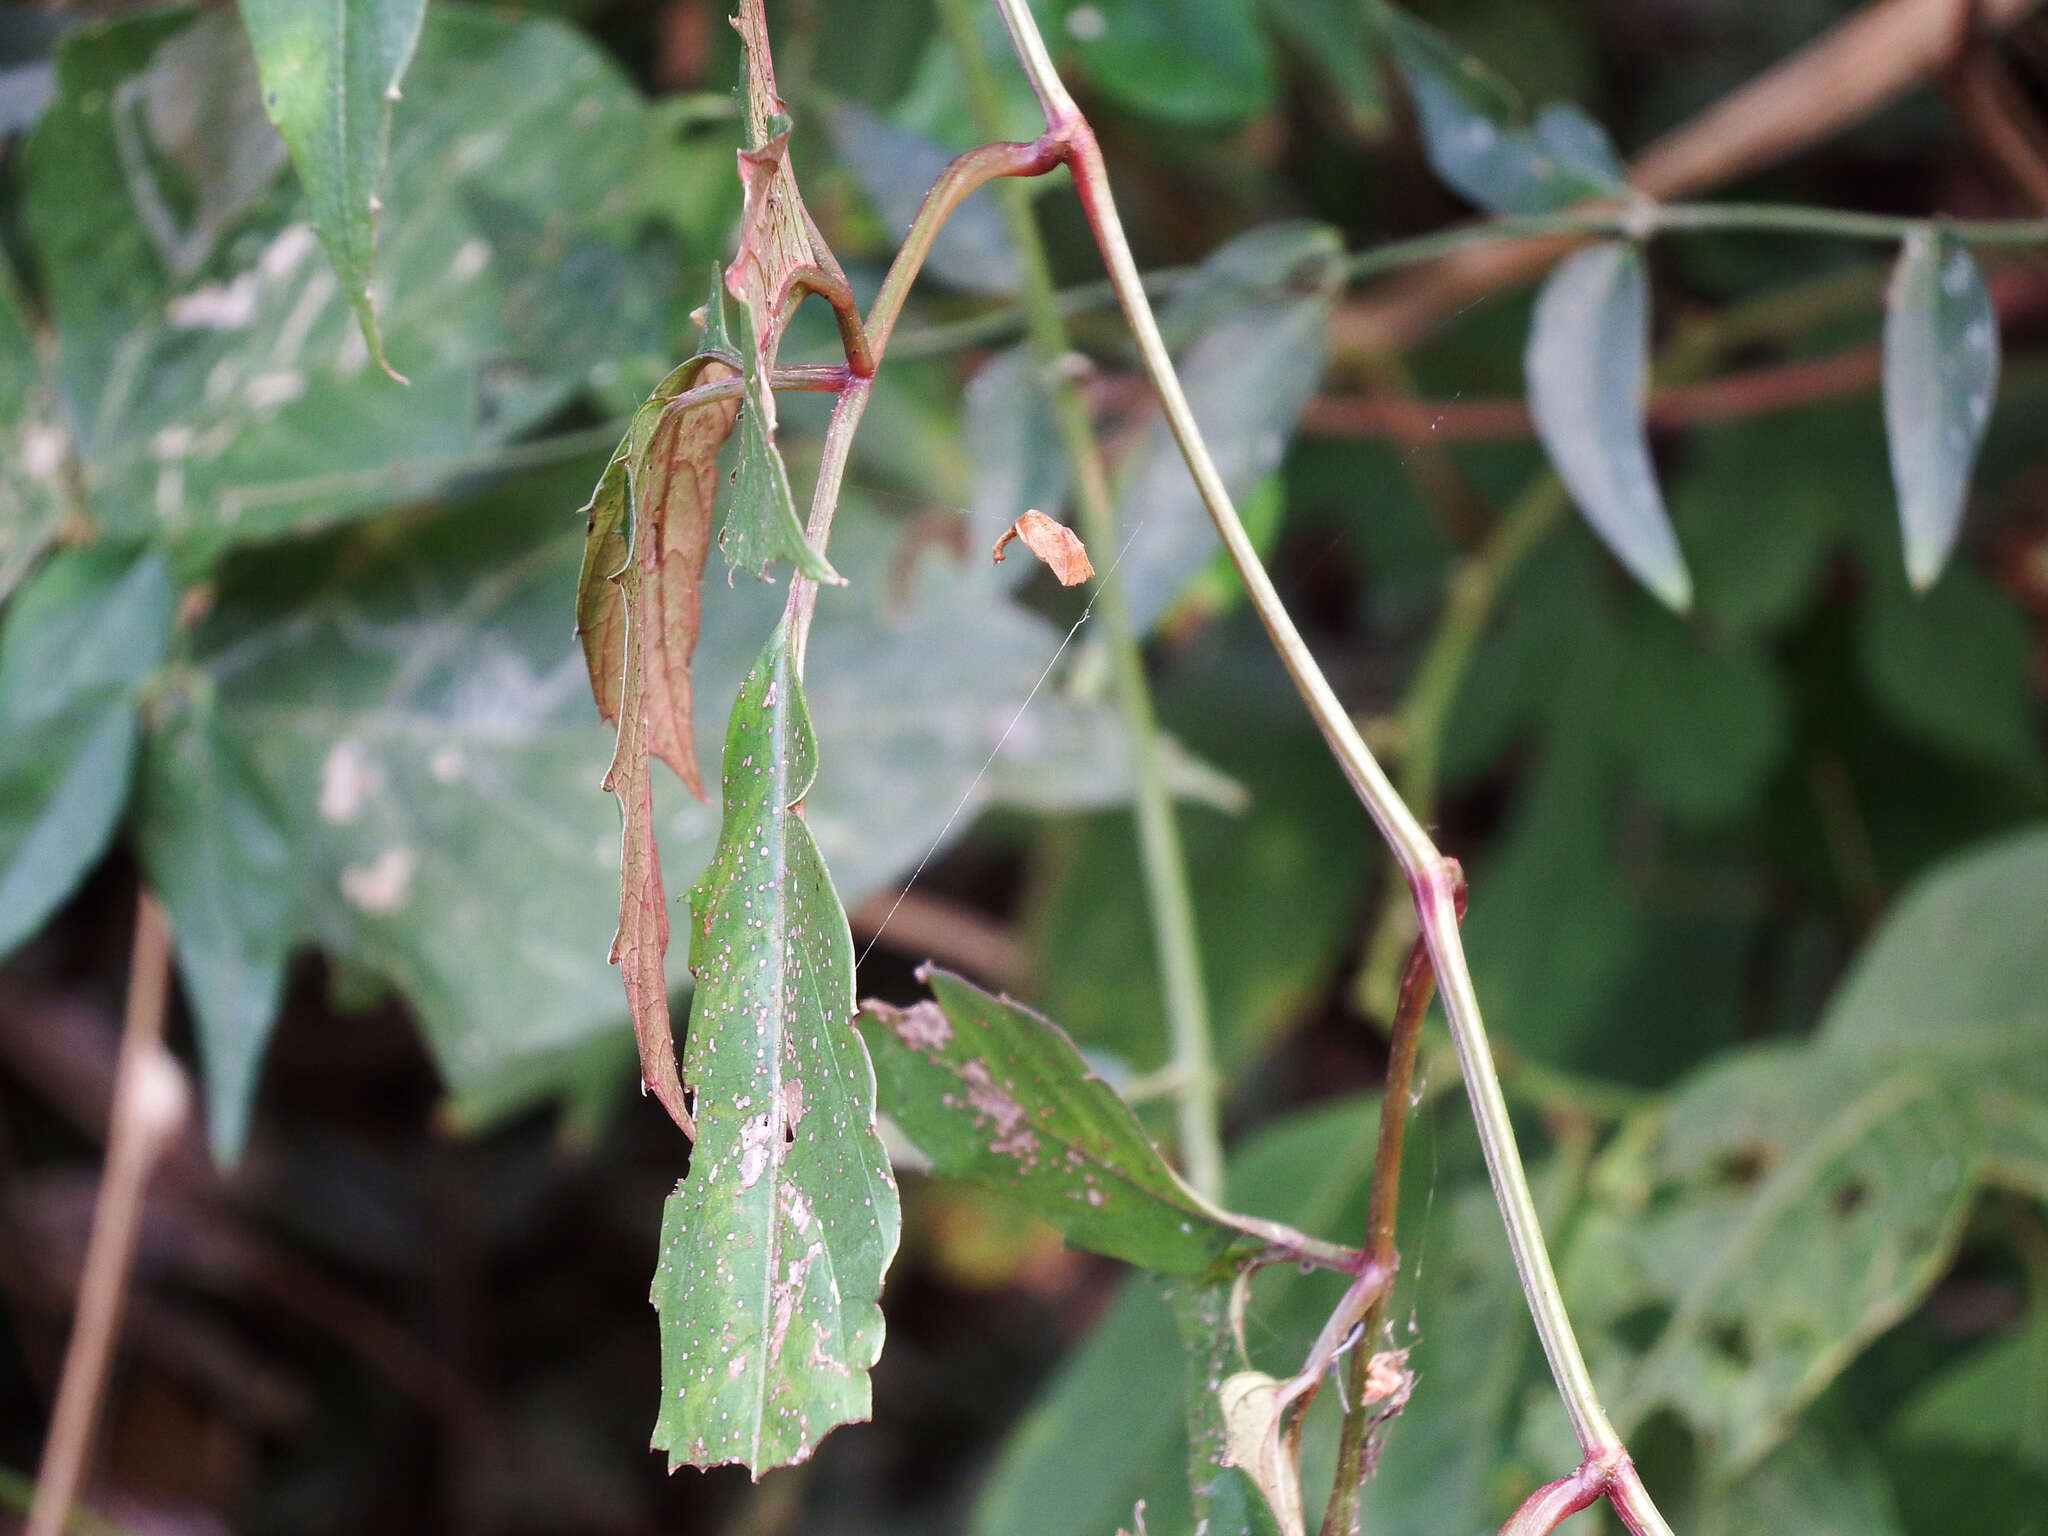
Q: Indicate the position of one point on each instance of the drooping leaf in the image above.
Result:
(1800, 1198)
(992, 1092)
(33, 443)
(1587, 357)
(761, 524)
(218, 854)
(1013, 443)
(220, 388)
(330, 71)
(774, 1245)
(1476, 136)
(79, 639)
(1258, 310)
(1057, 546)
(1187, 61)
(1940, 375)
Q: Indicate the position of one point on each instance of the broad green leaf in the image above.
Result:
(1995, 1399)
(215, 378)
(774, 1245)
(1820, 1482)
(1339, 40)
(761, 525)
(1940, 375)
(992, 1092)
(1475, 135)
(1258, 309)
(330, 71)
(33, 443)
(1187, 61)
(1012, 438)
(78, 642)
(1586, 362)
(1798, 1199)
(218, 854)
(896, 168)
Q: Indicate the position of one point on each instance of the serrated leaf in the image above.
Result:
(1800, 1198)
(1940, 377)
(761, 525)
(219, 388)
(33, 443)
(218, 855)
(330, 71)
(1475, 135)
(79, 639)
(774, 1245)
(1586, 360)
(992, 1092)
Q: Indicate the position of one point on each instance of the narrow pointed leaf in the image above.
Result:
(79, 639)
(774, 1245)
(1587, 356)
(992, 1092)
(1940, 377)
(330, 71)
(217, 853)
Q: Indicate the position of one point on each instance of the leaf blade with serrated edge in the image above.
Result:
(774, 1246)
(1940, 376)
(330, 71)
(1586, 359)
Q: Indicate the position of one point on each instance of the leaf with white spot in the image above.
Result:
(1940, 377)
(774, 1245)
(1586, 360)
(330, 71)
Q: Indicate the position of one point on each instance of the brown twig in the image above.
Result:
(935, 928)
(150, 1105)
(1831, 84)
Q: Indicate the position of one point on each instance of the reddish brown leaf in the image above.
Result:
(1054, 543)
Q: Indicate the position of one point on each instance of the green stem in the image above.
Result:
(1168, 894)
(1430, 876)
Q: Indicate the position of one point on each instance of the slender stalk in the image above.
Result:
(1430, 876)
(149, 1108)
(1169, 897)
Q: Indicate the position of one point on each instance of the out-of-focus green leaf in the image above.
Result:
(330, 71)
(1951, 665)
(33, 443)
(1586, 361)
(896, 168)
(1994, 1399)
(1187, 61)
(1800, 1198)
(774, 1245)
(219, 856)
(1940, 375)
(1820, 1482)
(1013, 443)
(992, 1092)
(215, 376)
(1249, 371)
(79, 639)
(1474, 133)
(1339, 40)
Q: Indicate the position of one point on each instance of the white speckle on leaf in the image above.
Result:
(383, 884)
(922, 1026)
(755, 1133)
(348, 778)
(42, 450)
(1086, 23)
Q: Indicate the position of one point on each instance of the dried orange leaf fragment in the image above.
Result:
(1054, 543)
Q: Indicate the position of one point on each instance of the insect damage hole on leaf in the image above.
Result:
(1054, 543)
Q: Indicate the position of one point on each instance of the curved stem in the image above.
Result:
(1430, 876)
(1169, 897)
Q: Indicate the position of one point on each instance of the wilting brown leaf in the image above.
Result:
(1054, 543)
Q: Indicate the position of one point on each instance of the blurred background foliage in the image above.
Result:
(1799, 1218)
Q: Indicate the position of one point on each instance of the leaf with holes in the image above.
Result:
(774, 1245)
(330, 71)
(1940, 376)
(1587, 356)
(1800, 1198)
(990, 1091)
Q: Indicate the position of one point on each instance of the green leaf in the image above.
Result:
(896, 167)
(761, 525)
(1798, 1199)
(1012, 440)
(1257, 309)
(79, 640)
(774, 1245)
(992, 1092)
(1339, 40)
(1474, 135)
(1940, 376)
(216, 381)
(1821, 1482)
(1995, 1399)
(1187, 61)
(33, 443)
(330, 71)
(1586, 361)
(217, 852)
